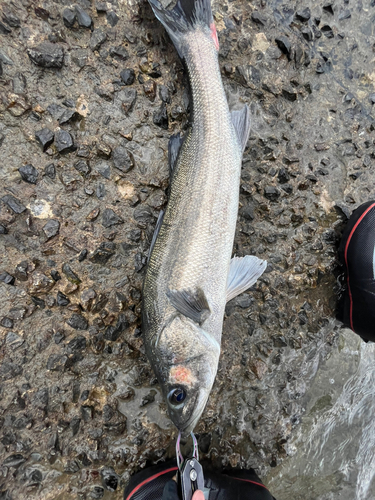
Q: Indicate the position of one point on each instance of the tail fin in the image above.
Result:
(187, 15)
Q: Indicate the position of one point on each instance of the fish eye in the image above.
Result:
(177, 396)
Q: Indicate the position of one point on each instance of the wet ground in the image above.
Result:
(89, 95)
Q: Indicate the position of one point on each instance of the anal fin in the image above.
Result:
(243, 273)
(241, 123)
(192, 304)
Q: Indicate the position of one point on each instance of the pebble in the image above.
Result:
(70, 274)
(15, 461)
(345, 14)
(10, 18)
(119, 52)
(284, 45)
(109, 478)
(64, 142)
(128, 76)
(82, 256)
(40, 283)
(21, 271)
(112, 18)
(39, 302)
(19, 83)
(47, 55)
(55, 275)
(13, 204)
(371, 98)
(3, 229)
(78, 343)
(98, 37)
(122, 160)
(45, 137)
(78, 322)
(164, 94)
(103, 253)
(52, 228)
(258, 18)
(327, 31)
(87, 413)
(128, 98)
(57, 362)
(149, 89)
(303, 14)
(6, 322)
(144, 216)
(110, 218)
(29, 173)
(271, 193)
(84, 20)
(83, 167)
(69, 17)
(160, 117)
(62, 300)
(69, 115)
(7, 278)
(113, 332)
(50, 171)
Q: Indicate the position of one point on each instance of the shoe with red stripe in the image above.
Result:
(357, 254)
(149, 484)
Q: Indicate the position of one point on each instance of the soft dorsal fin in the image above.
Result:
(241, 122)
(243, 273)
(174, 146)
(156, 232)
(192, 304)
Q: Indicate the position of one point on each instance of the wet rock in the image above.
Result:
(40, 283)
(13, 340)
(110, 479)
(29, 173)
(70, 274)
(78, 322)
(10, 18)
(303, 15)
(69, 115)
(284, 45)
(13, 204)
(112, 18)
(7, 278)
(103, 253)
(69, 17)
(6, 322)
(62, 300)
(122, 160)
(3, 229)
(14, 460)
(113, 332)
(64, 142)
(149, 89)
(327, 31)
(271, 193)
(128, 76)
(83, 167)
(55, 275)
(84, 20)
(98, 37)
(45, 138)
(77, 344)
(119, 52)
(258, 18)
(20, 271)
(160, 117)
(110, 218)
(47, 55)
(57, 362)
(143, 215)
(128, 98)
(51, 228)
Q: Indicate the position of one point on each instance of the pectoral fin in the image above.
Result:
(192, 304)
(241, 123)
(243, 273)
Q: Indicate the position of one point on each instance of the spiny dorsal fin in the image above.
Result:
(192, 304)
(156, 232)
(243, 273)
(241, 122)
(174, 146)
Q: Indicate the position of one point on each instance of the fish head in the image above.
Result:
(190, 360)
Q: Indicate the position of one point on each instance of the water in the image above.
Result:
(334, 449)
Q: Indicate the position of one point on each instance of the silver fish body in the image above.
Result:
(190, 259)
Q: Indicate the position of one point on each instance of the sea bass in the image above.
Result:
(190, 275)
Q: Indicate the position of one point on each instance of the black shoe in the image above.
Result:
(357, 254)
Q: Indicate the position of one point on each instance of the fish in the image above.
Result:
(190, 275)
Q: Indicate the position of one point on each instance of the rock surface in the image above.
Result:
(101, 91)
